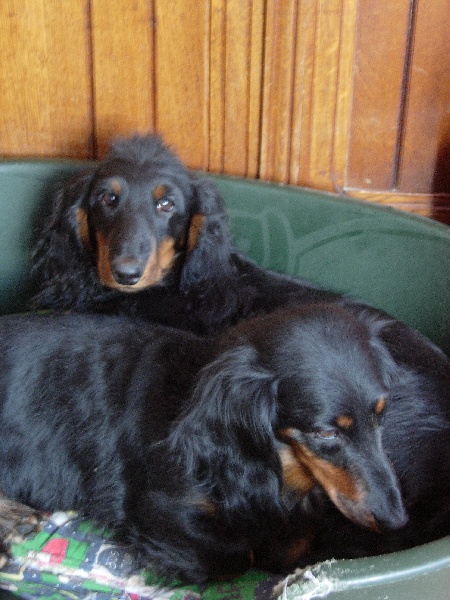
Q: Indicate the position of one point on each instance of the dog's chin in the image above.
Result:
(130, 288)
(158, 279)
(356, 512)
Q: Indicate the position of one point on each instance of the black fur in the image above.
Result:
(208, 456)
(197, 290)
(211, 286)
(208, 287)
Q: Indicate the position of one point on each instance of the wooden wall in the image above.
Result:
(351, 96)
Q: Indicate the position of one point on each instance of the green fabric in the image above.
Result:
(391, 259)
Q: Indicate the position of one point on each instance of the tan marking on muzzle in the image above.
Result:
(83, 228)
(344, 489)
(296, 476)
(158, 263)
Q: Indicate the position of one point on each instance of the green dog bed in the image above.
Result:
(395, 261)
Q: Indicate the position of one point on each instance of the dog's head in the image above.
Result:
(295, 401)
(130, 221)
(333, 377)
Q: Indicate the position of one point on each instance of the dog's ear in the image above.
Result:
(225, 439)
(60, 261)
(209, 241)
(208, 277)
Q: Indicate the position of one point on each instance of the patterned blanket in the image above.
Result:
(70, 559)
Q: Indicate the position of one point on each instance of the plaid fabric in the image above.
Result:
(71, 559)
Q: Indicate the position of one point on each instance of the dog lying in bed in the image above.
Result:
(209, 456)
(141, 235)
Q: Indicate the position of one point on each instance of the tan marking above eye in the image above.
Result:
(205, 505)
(345, 421)
(159, 192)
(116, 187)
(380, 405)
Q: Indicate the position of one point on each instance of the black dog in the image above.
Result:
(198, 281)
(142, 235)
(208, 456)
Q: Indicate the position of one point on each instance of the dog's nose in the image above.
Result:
(394, 516)
(127, 272)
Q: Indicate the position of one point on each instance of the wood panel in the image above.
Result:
(382, 33)
(235, 86)
(278, 80)
(45, 79)
(299, 143)
(123, 77)
(427, 118)
(317, 169)
(350, 96)
(302, 102)
(344, 94)
(182, 77)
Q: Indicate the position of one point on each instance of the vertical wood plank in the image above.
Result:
(45, 79)
(427, 121)
(344, 94)
(235, 93)
(123, 69)
(182, 77)
(277, 91)
(302, 107)
(326, 68)
(321, 59)
(377, 89)
(255, 87)
(217, 53)
(237, 86)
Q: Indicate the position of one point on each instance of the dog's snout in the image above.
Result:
(393, 517)
(127, 272)
(394, 522)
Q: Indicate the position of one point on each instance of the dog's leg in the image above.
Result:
(16, 522)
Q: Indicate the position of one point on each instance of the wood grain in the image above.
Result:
(182, 77)
(236, 47)
(377, 90)
(277, 90)
(324, 94)
(425, 164)
(123, 78)
(241, 41)
(344, 93)
(350, 96)
(45, 79)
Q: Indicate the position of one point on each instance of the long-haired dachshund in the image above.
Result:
(207, 455)
(141, 235)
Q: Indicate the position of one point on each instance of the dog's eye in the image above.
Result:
(327, 434)
(109, 199)
(164, 205)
